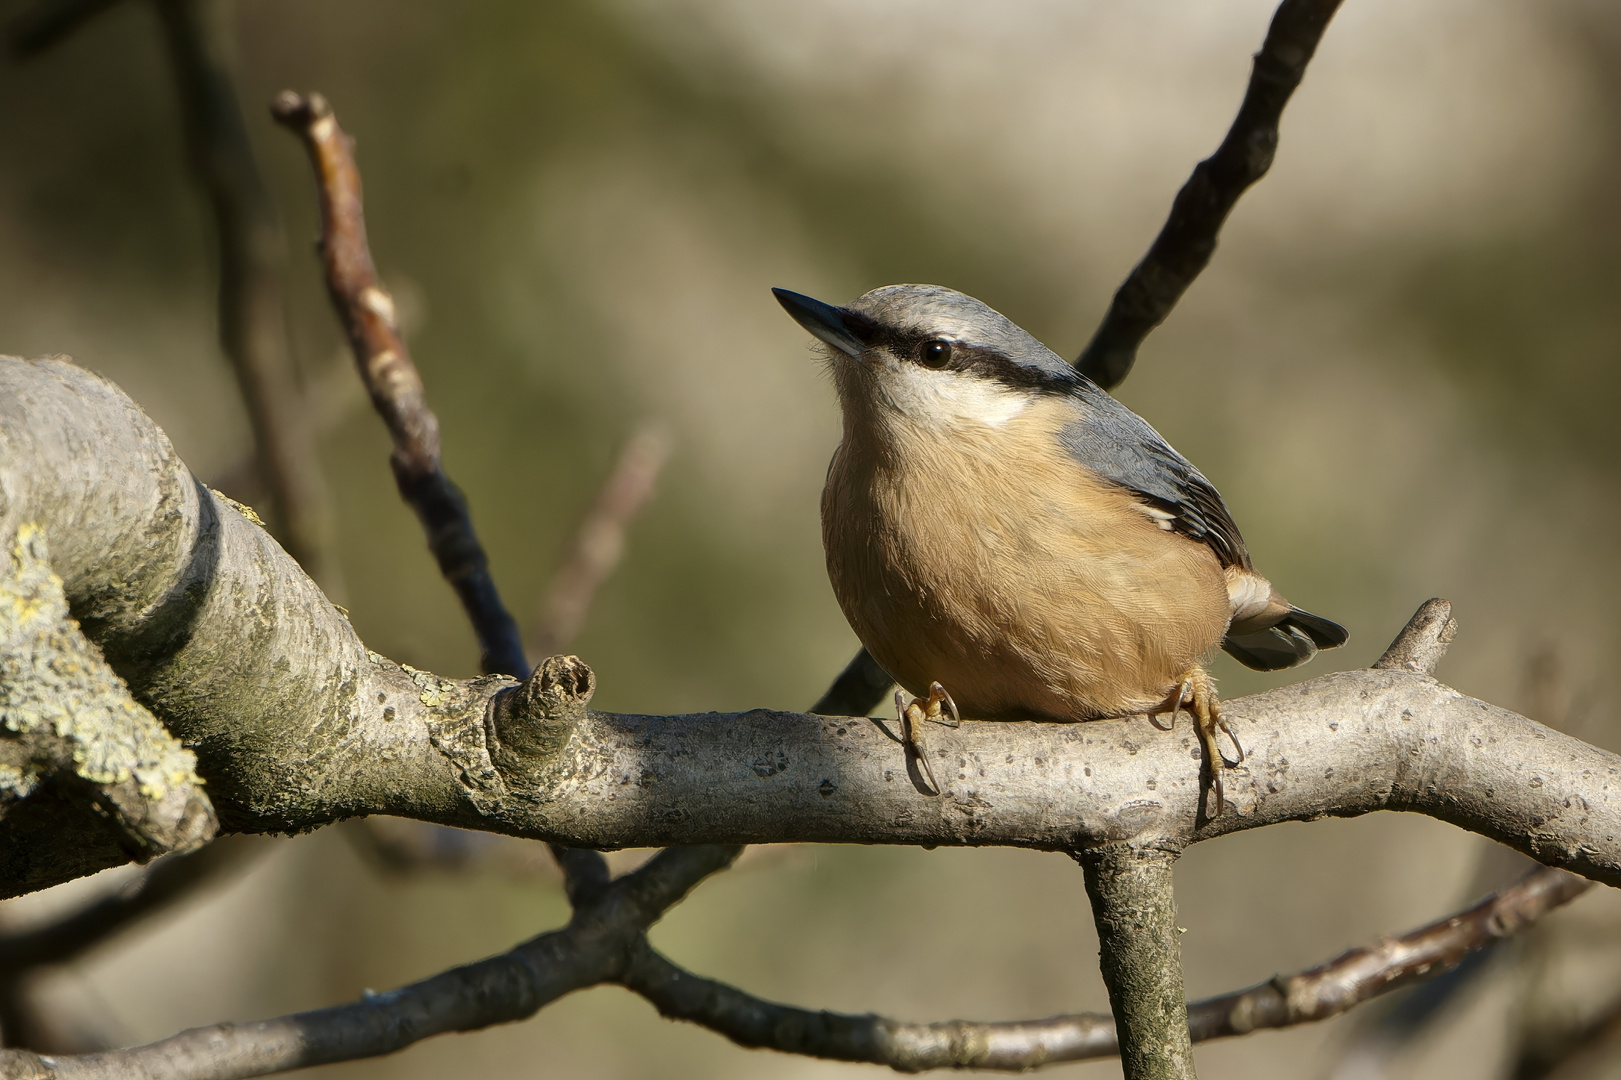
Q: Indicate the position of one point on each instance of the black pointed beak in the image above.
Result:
(833, 325)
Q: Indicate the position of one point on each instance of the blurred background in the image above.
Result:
(1400, 369)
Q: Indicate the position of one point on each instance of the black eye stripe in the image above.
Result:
(988, 363)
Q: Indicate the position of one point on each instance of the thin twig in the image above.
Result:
(252, 316)
(23, 952)
(1571, 1049)
(47, 22)
(605, 943)
(169, 879)
(392, 380)
(1188, 238)
(1363, 973)
(599, 542)
(594, 948)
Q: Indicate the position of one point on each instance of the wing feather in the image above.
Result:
(1121, 447)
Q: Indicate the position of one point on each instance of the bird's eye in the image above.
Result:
(935, 354)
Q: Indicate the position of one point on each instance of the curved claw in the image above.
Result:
(939, 695)
(1233, 735)
(1175, 706)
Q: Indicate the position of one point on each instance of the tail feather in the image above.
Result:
(1287, 643)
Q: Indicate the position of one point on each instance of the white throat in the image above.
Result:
(951, 398)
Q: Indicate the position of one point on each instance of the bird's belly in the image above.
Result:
(1046, 602)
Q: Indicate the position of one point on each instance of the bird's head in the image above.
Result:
(929, 356)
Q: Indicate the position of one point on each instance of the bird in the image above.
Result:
(1010, 542)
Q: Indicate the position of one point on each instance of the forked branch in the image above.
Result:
(606, 942)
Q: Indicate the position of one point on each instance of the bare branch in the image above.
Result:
(367, 312)
(46, 22)
(295, 725)
(1355, 976)
(1140, 954)
(1315, 994)
(594, 948)
(1187, 240)
(600, 540)
(77, 933)
(1423, 642)
(252, 316)
(604, 943)
(80, 758)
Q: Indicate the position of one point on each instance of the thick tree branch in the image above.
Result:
(367, 312)
(1140, 954)
(80, 759)
(1187, 240)
(295, 725)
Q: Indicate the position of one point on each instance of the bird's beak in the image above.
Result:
(831, 324)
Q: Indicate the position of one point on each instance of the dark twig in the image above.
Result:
(48, 21)
(24, 951)
(605, 943)
(594, 948)
(384, 361)
(1188, 238)
(599, 542)
(252, 317)
(1569, 1050)
(1355, 976)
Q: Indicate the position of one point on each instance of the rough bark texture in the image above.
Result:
(1140, 954)
(76, 750)
(295, 724)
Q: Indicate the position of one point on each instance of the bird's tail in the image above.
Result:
(1292, 640)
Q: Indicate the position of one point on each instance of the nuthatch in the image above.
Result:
(1008, 538)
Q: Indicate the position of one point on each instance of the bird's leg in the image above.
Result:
(1199, 689)
(912, 715)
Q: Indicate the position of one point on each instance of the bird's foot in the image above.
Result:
(1198, 691)
(912, 715)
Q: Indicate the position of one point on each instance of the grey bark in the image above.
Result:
(1140, 955)
(295, 724)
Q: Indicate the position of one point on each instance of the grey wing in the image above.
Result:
(1120, 446)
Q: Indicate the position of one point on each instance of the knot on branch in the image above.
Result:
(1423, 642)
(532, 721)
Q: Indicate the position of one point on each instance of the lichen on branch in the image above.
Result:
(71, 732)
